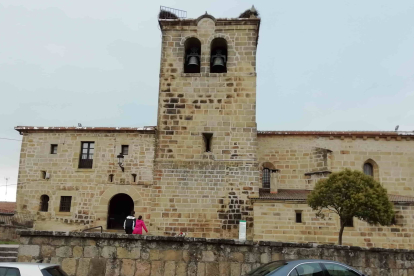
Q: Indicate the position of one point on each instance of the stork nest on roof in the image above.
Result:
(167, 15)
(249, 12)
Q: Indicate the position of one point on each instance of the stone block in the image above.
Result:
(142, 268)
(40, 240)
(235, 269)
(127, 267)
(212, 269)
(208, 256)
(237, 257)
(48, 251)
(97, 267)
(201, 269)
(90, 252)
(128, 253)
(83, 267)
(109, 252)
(156, 268)
(181, 269)
(113, 267)
(224, 269)
(64, 251)
(77, 251)
(171, 255)
(29, 250)
(192, 269)
(169, 268)
(69, 266)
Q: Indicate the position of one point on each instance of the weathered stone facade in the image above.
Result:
(201, 170)
(133, 255)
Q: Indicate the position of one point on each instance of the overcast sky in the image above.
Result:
(322, 65)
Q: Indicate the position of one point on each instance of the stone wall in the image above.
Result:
(91, 189)
(297, 157)
(9, 233)
(205, 193)
(133, 255)
(275, 221)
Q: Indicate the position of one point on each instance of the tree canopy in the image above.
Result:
(352, 194)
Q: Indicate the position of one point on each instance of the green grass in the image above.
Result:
(9, 242)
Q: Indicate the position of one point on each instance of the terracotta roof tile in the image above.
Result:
(356, 133)
(150, 129)
(301, 195)
(7, 207)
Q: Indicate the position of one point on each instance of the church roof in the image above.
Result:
(301, 195)
(349, 133)
(7, 207)
(147, 129)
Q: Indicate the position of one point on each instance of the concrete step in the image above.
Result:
(8, 259)
(8, 254)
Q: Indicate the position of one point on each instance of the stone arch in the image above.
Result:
(185, 38)
(268, 176)
(221, 35)
(374, 166)
(267, 165)
(206, 15)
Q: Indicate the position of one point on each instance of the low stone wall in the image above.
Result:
(9, 233)
(132, 255)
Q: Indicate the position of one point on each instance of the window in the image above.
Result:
(218, 62)
(44, 203)
(111, 178)
(43, 174)
(134, 177)
(293, 273)
(349, 222)
(53, 149)
(65, 202)
(53, 271)
(339, 270)
(192, 55)
(310, 269)
(124, 149)
(369, 169)
(266, 178)
(9, 271)
(298, 216)
(208, 137)
(86, 156)
(267, 269)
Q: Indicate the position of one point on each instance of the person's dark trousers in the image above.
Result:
(128, 231)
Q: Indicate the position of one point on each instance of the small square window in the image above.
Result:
(124, 149)
(53, 149)
(65, 202)
(298, 216)
(43, 174)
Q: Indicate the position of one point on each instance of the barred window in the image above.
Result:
(44, 203)
(266, 178)
(124, 149)
(65, 202)
(368, 169)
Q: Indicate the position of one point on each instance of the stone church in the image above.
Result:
(205, 166)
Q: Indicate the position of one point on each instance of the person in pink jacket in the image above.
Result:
(139, 225)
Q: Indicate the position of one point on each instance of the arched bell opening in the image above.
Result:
(192, 55)
(44, 203)
(218, 61)
(120, 206)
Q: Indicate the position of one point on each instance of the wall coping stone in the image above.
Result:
(28, 233)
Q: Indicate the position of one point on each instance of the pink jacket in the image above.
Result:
(138, 227)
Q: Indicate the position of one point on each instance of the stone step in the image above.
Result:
(8, 259)
(9, 248)
(8, 254)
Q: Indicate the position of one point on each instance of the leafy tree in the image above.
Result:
(351, 194)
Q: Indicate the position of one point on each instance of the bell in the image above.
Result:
(192, 61)
(218, 62)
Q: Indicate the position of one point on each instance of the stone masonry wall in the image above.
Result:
(9, 233)
(87, 254)
(295, 156)
(198, 192)
(91, 189)
(275, 221)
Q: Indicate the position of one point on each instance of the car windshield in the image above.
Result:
(267, 268)
(53, 271)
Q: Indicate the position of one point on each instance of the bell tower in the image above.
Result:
(205, 164)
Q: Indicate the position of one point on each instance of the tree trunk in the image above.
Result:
(341, 232)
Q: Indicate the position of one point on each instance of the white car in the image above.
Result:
(30, 269)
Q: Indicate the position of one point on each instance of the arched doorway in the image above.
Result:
(120, 206)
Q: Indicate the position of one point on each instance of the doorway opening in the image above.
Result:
(120, 206)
